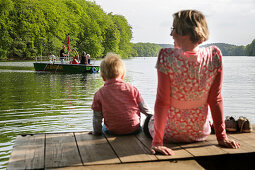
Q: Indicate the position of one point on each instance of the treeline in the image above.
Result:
(145, 49)
(250, 49)
(27, 26)
(229, 49)
(234, 50)
(150, 49)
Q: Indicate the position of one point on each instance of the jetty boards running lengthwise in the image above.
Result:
(80, 150)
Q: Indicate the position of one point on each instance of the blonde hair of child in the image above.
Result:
(112, 66)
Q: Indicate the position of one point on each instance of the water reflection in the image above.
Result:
(35, 102)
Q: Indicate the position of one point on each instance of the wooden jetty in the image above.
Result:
(80, 150)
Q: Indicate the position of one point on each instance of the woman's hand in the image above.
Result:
(229, 143)
(162, 149)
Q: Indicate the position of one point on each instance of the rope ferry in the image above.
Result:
(66, 68)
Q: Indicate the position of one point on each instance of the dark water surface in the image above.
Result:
(35, 102)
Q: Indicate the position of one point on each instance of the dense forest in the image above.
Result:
(30, 28)
(146, 49)
(27, 26)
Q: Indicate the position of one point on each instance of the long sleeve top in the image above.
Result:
(187, 85)
(119, 104)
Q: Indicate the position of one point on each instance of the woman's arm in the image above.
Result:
(161, 111)
(215, 102)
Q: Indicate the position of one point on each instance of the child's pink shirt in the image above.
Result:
(118, 102)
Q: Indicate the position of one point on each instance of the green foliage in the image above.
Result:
(250, 49)
(29, 25)
(5, 39)
(146, 49)
(229, 50)
(125, 46)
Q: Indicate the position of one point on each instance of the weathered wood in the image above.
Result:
(130, 149)
(247, 138)
(28, 152)
(204, 148)
(244, 148)
(163, 165)
(61, 150)
(179, 152)
(95, 149)
(80, 150)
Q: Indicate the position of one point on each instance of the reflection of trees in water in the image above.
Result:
(44, 94)
(34, 102)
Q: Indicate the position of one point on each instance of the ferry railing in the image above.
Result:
(51, 59)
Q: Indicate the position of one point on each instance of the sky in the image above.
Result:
(229, 21)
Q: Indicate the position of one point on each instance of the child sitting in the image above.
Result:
(117, 102)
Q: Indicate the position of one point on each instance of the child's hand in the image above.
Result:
(162, 149)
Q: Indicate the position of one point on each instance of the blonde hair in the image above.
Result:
(193, 23)
(112, 66)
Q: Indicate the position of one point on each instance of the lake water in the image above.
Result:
(35, 102)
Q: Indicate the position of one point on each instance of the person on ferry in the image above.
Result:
(63, 54)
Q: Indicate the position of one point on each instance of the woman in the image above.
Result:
(189, 79)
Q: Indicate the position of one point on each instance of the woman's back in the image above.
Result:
(191, 76)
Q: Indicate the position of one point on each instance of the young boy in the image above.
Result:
(117, 102)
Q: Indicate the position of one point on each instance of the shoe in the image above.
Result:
(244, 125)
(231, 124)
(212, 127)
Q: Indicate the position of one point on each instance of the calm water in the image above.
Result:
(33, 102)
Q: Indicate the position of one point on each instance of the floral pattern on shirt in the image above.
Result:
(191, 77)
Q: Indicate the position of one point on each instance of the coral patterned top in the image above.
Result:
(187, 84)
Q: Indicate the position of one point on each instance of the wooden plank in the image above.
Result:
(28, 152)
(204, 148)
(95, 149)
(130, 149)
(245, 148)
(179, 152)
(248, 138)
(61, 150)
(163, 165)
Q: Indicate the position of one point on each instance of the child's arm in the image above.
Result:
(97, 122)
(144, 108)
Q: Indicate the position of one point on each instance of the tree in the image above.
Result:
(146, 49)
(250, 49)
(125, 46)
(28, 25)
(5, 26)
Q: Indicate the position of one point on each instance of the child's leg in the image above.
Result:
(105, 130)
(146, 126)
(137, 131)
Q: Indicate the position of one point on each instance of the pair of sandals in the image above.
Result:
(241, 125)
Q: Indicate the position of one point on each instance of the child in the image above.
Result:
(117, 102)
